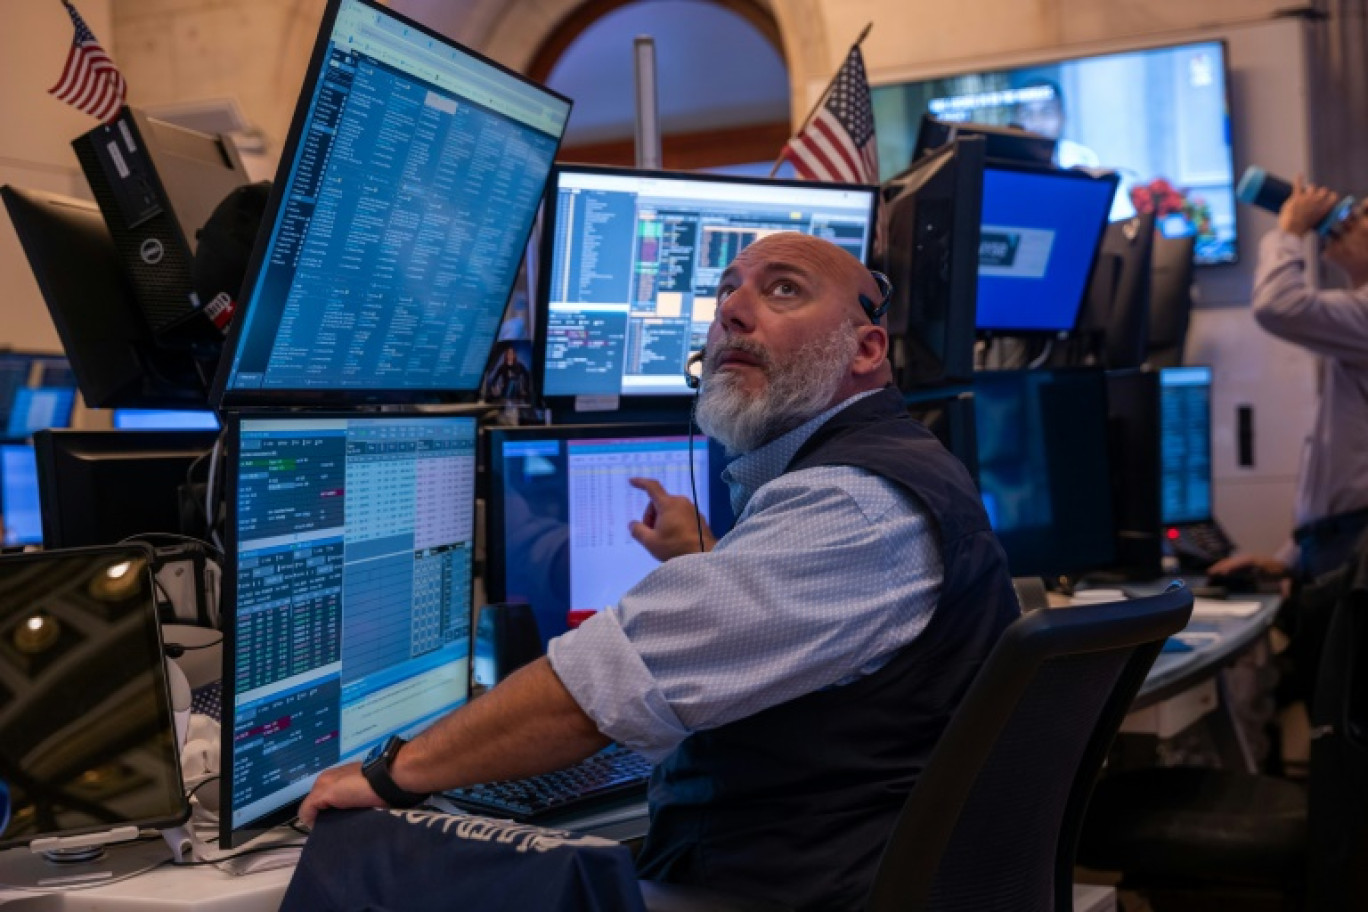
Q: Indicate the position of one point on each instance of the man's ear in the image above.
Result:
(872, 352)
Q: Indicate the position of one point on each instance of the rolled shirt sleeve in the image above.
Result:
(1330, 322)
(827, 574)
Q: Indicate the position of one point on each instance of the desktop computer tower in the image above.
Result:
(156, 185)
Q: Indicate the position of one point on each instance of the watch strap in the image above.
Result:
(378, 773)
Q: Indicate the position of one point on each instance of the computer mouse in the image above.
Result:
(1245, 579)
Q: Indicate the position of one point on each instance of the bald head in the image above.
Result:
(832, 265)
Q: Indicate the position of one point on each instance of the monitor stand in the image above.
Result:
(89, 862)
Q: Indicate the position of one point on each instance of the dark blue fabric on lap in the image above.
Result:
(417, 861)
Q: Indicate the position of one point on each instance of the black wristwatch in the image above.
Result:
(377, 773)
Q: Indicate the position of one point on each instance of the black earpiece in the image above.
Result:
(694, 378)
(874, 311)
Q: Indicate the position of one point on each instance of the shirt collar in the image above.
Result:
(750, 471)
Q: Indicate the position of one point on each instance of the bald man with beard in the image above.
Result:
(791, 678)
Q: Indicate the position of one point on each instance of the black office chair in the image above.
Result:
(994, 818)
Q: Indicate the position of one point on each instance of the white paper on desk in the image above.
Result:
(1220, 608)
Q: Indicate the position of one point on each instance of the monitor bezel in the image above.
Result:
(627, 403)
(1049, 172)
(986, 68)
(230, 837)
(221, 395)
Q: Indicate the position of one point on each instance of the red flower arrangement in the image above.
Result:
(1164, 200)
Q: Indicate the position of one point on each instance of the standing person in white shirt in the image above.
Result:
(1332, 489)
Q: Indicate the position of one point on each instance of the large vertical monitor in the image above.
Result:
(1159, 116)
(631, 261)
(931, 222)
(1185, 416)
(1037, 244)
(347, 593)
(100, 487)
(399, 214)
(560, 505)
(1043, 468)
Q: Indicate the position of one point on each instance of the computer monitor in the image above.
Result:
(1170, 300)
(114, 356)
(1133, 446)
(100, 487)
(931, 217)
(35, 408)
(399, 214)
(164, 420)
(23, 519)
(559, 508)
(1040, 234)
(87, 738)
(1160, 116)
(347, 594)
(631, 261)
(1185, 416)
(1116, 315)
(1043, 468)
(1000, 142)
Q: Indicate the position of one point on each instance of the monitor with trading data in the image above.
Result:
(560, 505)
(1043, 468)
(397, 220)
(632, 259)
(348, 585)
(1037, 244)
(23, 520)
(1185, 434)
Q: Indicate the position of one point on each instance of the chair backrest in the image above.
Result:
(993, 821)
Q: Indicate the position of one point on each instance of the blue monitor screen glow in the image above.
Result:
(42, 407)
(165, 420)
(1185, 444)
(23, 517)
(1037, 244)
(397, 221)
(1043, 468)
(350, 556)
(1158, 116)
(560, 506)
(633, 260)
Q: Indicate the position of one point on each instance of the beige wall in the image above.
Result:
(35, 145)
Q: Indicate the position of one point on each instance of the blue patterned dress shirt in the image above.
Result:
(826, 574)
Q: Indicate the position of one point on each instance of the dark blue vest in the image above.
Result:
(795, 803)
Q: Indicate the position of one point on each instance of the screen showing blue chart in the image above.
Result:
(633, 261)
(401, 213)
(351, 565)
(1037, 244)
(1185, 444)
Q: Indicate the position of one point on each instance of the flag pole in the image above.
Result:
(822, 98)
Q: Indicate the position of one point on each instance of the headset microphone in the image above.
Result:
(691, 379)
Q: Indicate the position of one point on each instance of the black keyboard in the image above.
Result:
(614, 772)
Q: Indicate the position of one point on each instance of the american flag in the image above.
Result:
(838, 143)
(90, 82)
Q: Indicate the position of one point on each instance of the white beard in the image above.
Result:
(794, 392)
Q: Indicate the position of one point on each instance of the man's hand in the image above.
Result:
(1306, 208)
(1261, 566)
(339, 787)
(670, 525)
